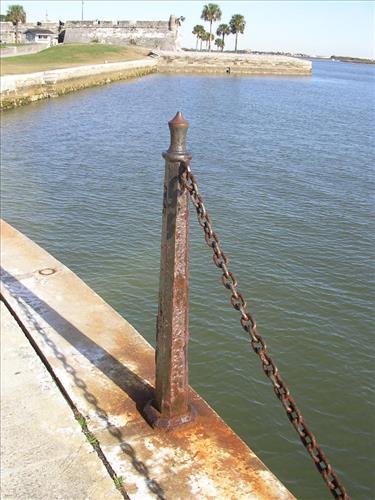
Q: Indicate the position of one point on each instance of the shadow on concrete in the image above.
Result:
(136, 388)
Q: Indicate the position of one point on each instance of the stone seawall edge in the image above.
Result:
(18, 90)
(21, 89)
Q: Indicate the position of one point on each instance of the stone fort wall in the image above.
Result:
(162, 35)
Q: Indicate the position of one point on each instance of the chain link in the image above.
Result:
(188, 181)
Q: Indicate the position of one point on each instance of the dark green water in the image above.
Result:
(286, 167)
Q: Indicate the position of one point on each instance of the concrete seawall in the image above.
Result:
(236, 64)
(105, 369)
(17, 90)
(55, 447)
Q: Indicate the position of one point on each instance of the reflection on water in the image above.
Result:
(285, 167)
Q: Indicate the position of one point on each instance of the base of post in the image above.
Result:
(158, 421)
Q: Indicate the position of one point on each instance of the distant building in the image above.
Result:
(39, 35)
(26, 32)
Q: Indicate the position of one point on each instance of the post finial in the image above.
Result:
(178, 127)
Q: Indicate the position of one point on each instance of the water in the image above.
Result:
(285, 165)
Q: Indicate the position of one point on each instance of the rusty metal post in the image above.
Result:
(171, 407)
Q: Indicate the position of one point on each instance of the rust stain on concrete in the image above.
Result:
(107, 369)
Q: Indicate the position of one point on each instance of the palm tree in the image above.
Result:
(223, 30)
(237, 25)
(219, 42)
(211, 13)
(197, 31)
(202, 38)
(15, 14)
(205, 37)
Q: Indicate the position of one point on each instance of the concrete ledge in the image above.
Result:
(17, 90)
(40, 438)
(107, 370)
(11, 83)
(236, 64)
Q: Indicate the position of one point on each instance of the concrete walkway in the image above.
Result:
(107, 369)
(44, 454)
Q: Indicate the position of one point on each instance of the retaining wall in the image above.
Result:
(227, 63)
(17, 90)
(21, 50)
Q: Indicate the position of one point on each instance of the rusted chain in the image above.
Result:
(248, 323)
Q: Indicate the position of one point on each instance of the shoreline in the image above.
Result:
(233, 64)
(48, 91)
(21, 89)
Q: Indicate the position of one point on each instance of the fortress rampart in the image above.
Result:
(162, 35)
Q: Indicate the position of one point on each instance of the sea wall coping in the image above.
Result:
(218, 55)
(106, 370)
(11, 83)
(224, 62)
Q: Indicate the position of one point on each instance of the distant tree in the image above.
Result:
(180, 20)
(211, 13)
(198, 30)
(205, 37)
(223, 30)
(209, 38)
(202, 38)
(219, 44)
(2, 17)
(237, 25)
(15, 14)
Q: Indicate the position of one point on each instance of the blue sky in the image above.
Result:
(315, 27)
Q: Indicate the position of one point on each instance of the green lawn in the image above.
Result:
(66, 56)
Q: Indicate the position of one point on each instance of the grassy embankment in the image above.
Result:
(67, 56)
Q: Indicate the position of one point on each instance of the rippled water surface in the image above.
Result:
(285, 165)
